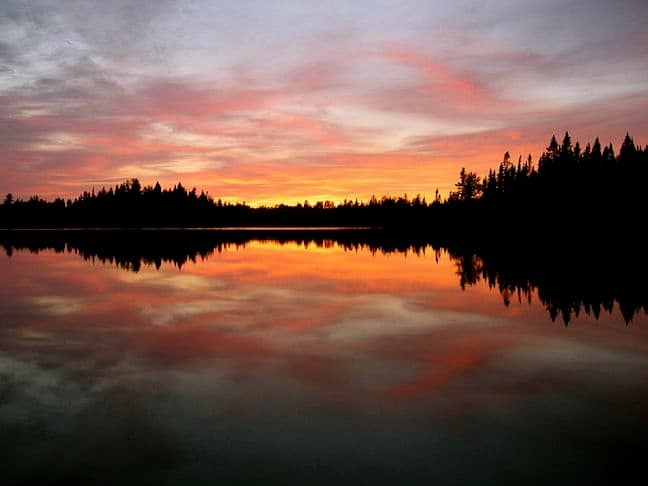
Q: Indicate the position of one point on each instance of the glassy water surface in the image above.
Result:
(303, 364)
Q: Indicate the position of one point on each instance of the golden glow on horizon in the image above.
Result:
(362, 177)
(348, 177)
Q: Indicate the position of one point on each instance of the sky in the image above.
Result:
(286, 101)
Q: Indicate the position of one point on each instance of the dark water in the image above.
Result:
(287, 363)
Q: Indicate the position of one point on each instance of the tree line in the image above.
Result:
(131, 205)
(572, 188)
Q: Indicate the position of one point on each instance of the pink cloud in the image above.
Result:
(180, 100)
(442, 87)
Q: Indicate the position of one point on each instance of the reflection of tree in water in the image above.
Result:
(469, 269)
(131, 249)
(567, 282)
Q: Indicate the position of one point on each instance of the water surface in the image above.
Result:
(294, 363)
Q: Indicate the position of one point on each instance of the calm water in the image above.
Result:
(283, 363)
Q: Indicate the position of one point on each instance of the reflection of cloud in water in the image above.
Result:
(384, 315)
(175, 281)
(57, 305)
(590, 363)
(165, 314)
(68, 422)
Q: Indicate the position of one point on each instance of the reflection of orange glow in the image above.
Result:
(313, 313)
(337, 267)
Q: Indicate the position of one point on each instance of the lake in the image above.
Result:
(308, 361)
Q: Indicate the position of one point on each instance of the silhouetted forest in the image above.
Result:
(588, 194)
(587, 190)
(566, 281)
(129, 205)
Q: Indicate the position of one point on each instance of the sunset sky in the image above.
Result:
(268, 101)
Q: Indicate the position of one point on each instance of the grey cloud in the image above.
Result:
(8, 53)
